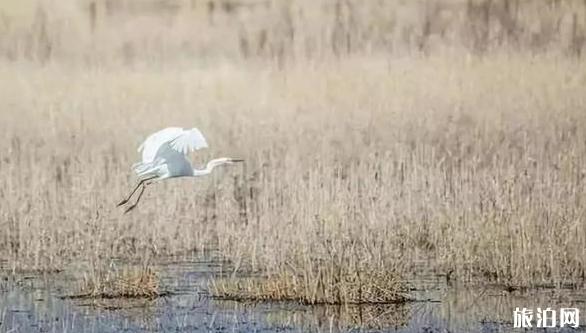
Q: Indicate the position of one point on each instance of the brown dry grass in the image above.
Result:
(458, 163)
(320, 285)
(125, 283)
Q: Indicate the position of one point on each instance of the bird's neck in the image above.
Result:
(202, 172)
(208, 169)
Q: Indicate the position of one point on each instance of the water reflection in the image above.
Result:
(33, 304)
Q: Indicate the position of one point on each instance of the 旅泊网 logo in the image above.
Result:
(546, 318)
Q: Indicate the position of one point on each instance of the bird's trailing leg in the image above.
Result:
(131, 207)
(138, 184)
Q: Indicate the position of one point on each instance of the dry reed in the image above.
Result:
(320, 285)
(128, 283)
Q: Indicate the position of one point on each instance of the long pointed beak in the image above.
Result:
(234, 160)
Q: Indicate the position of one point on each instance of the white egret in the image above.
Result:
(164, 156)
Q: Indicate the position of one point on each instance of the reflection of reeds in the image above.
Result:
(371, 317)
(334, 318)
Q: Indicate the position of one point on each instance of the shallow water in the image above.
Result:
(33, 303)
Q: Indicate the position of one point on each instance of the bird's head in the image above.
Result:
(229, 160)
(224, 160)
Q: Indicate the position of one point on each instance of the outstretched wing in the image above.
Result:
(177, 138)
(188, 141)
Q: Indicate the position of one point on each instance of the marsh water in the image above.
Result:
(38, 303)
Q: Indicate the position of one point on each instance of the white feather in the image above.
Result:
(181, 140)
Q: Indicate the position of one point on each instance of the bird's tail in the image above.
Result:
(145, 170)
(141, 167)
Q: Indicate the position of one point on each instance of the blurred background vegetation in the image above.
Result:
(133, 31)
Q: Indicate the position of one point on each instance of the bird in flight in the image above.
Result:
(164, 156)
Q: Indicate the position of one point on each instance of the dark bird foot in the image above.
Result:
(129, 209)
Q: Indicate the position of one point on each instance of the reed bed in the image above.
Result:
(468, 163)
(376, 286)
(128, 283)
(476, 165)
